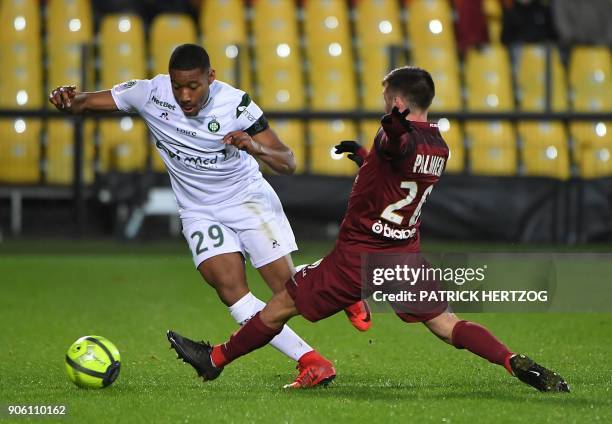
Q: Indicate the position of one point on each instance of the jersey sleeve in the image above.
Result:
(250, 117)
(131, 96)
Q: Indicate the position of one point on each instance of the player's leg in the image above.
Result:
(478, 340)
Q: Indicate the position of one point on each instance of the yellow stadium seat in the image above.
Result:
(488, 79)
(69, 26)
(368, 130)
(324, 135)
(20, 55)
(60, 152)
(278, 61)
(157, 164)
(326, 22)
(493, 13)
(453, 136)
(378, 23)
(123, 145)
(292, 134)
(492, 148)
(122, 49)
(375, 64)
(443, 65)
(332, 77)
(531, 79)
(167, 32)
(593, 148)
(19, 151)
(224, 36)
(430, 23)
(591, 78)
(544, 149)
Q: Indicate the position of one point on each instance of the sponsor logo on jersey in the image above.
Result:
(164, 115)
(246, 101)
(186, 132)
(275, 244)
(125, 86)
(214, 125)
(162, 103)
(391, 232)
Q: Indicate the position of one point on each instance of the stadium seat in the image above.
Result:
(292, 134)
(157, 164)
(278, 60)
(60, 152)
(544, 149)
(531, 79)
(593, 148)
(167, 31)
(20, 55)
(123, 142)
(493, 12)
(443, 65)
(69, 26)
(430, 23)
(492, 148)
(327, 21)
(368, 130)
(224, 36)
(591, 78)
(488, 79)
(19, 151)
(324, 135)
(453, 135)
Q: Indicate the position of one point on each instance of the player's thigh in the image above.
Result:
(217, 254)
(277, 273)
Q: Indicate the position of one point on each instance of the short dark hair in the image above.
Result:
(189, 56)
(413, 84)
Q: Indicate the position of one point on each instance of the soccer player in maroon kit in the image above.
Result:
(383, 216)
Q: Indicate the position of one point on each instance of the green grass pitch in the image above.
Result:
(54, 293)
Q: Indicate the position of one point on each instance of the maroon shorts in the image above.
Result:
(329, 286)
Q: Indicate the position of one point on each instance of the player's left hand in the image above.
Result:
(356, 150)
(242, 141)
(395, 124)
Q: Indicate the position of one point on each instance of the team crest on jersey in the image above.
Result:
(214, 125)
(125, 86)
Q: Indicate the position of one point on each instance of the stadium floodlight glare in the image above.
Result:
(331, 22)
(435, 26)
(20, 126)
(282, 96)
(604, 155)
(443, 125)
(231, 51)
(385, 27)
(334, 155)
(74, 25)
(600, 129)
(337, 125)
(335, 49)
(124, 24)
(126, 123)
(599, 76)
(283, 50)
(19, 23)
(551, 152)
(492, 100)
(22, 97)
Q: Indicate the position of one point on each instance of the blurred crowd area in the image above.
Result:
(319, 55)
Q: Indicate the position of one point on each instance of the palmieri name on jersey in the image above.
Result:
(203, 171)
(428, 164)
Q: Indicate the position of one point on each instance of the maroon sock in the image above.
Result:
(478, 340)
(252, 335)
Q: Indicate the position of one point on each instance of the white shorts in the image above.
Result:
(253, 224)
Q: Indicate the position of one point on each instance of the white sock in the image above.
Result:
(287, 341)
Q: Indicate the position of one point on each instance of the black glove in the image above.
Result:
(395, 124)
(356, 150)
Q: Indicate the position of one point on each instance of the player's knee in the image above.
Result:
(442, 326)
(278, 310)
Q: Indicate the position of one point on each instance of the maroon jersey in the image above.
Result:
(391, 188)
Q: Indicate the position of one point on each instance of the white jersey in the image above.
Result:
(203, 171)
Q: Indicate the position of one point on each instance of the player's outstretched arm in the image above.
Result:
(266, 146)
(68, 99)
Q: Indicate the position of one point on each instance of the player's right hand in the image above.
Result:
(62, 96)
(395, 124)
(356, 150)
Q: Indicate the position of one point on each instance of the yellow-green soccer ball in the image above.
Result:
(93, 362)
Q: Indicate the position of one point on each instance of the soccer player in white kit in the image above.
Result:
(208, 134)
